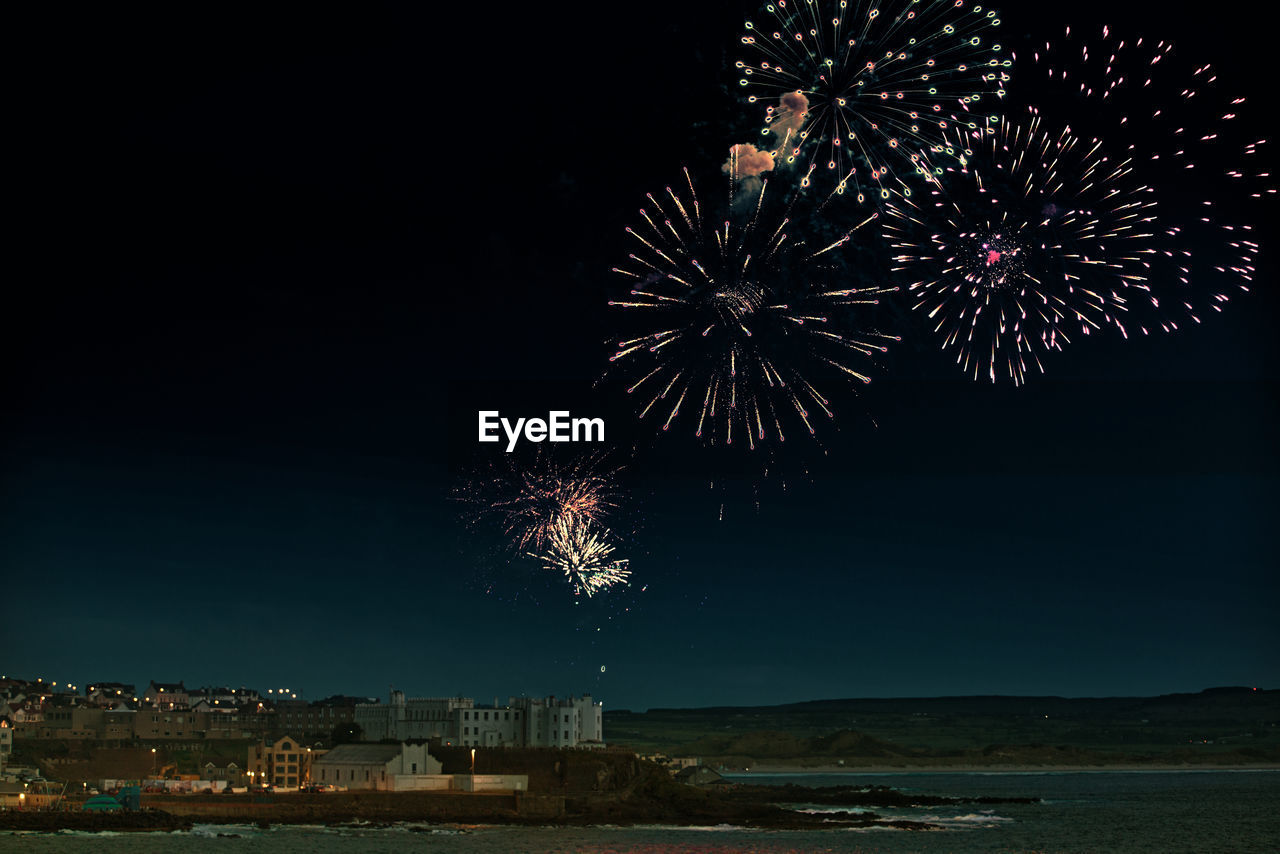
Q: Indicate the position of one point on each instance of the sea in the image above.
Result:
(1216, 812)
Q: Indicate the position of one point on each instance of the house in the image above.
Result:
(167, 695)
(109, 694)
(221, 699)
(27, 711)
(231, 774)
(384, 767)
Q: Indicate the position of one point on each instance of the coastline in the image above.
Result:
(844, 770)
(752, 802)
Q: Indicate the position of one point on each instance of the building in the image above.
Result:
(229, 775)
(384, 767)
(572, 722)
(167, 695)
(402, 719)
(522, 722)
(150, 724)
(109, 694)
(215, 699)
(285, 764)
(320, 718)
(28, 710)
(491, 726)
(156, 723)
(118, 724)
(248, 721)
(6, 743)
(70, 722)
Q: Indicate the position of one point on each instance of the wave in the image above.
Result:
(427, 829)
(972, 819)
(213, 831)
(94, 833)
(830, 810)
(705, 828)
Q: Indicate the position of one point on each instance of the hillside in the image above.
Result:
(1233, 725)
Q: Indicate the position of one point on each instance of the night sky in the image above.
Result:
(270, 267)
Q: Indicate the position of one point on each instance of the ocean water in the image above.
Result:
(1091, 811)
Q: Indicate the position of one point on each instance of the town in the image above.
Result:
(169, 738)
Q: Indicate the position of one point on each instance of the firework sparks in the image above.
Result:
(1186, 131)
(530, 501)
(584, 554)
(1027, 236)
(734, 320)
(861, 87)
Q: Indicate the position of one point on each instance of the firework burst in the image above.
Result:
(879, 81)
(735, 326)
(583, 553)
(1188, 133)
(529, 501)
(1027, 236)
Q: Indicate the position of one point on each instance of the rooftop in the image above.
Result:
(360, 754)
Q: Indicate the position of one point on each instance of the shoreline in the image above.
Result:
(750, 802)
(844, 770)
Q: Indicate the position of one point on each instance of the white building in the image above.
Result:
(522, 722)
(575, 722)
(409, 719)
(384, 767)
(493, 726)
(533, 722)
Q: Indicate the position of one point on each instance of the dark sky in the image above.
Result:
(270, 267)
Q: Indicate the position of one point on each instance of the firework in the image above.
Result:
(529, 500)
(856, 89)
(1027, 236)
(584, 554)
(1188, 133)
(735, 325)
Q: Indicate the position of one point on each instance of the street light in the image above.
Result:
(153, 763)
